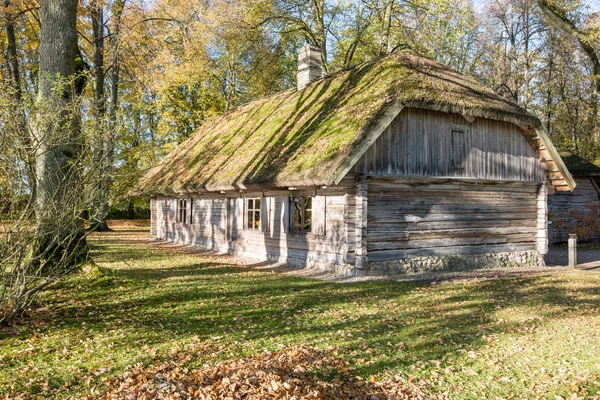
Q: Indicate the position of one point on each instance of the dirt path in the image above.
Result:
(586, 258)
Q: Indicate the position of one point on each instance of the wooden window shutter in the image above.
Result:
(288, 213)
(237, 208)
(461, 147)
(319, 209)
(265, 206)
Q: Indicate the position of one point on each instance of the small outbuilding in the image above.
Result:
(578, 211)
(397, 165)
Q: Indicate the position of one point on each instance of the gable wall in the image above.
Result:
(436, 144)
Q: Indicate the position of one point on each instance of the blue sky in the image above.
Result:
(594, 4)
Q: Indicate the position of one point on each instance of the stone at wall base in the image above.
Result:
(456, 263)
(453, 263)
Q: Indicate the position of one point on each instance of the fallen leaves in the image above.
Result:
(174, 313)
(293, 373)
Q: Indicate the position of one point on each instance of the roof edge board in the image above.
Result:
(558, 161)
(391, 114)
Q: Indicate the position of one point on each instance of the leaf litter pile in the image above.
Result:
(293, 373)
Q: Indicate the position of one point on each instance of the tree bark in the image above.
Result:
(318, 11)
(102, 214)
(12, 57)
(130, 209)
(57, 140)
(97, 16)
(14, 72)
(386, 45)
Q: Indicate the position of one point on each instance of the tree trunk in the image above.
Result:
(57, 140)
(12, 58)
(318, 11)
(131, 209)
(97, 16)
(17, 94)
(549, 92)
(386, 45)
(103, 209)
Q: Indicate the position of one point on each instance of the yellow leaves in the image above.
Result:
(573, 396)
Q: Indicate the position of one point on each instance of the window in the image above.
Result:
(302, 217)
(181, 211)
(460, 149)
(191, 211)
(253, 214)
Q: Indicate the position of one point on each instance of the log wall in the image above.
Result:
(414, 218)
(569, 211)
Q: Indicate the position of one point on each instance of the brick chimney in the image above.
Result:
(310, 67)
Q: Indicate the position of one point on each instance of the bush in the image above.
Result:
(121, 209)
(584, 223)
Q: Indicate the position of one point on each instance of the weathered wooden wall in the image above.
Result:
(433, 184)
(153, 216)
(568, 209)
(435, 144)
(414, 218)
(219, 223)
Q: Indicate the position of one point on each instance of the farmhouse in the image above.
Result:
(394, 166)
(577, 211)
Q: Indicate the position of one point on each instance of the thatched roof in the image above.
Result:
(312, 136)
(578, 166)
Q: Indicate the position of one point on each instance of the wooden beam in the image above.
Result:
(542, 220)
(594, 184)
(362, 260)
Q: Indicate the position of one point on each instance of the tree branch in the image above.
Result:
(558, 17)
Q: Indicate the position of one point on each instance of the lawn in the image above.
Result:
(530, 336)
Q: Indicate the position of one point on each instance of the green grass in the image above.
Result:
(533, 336)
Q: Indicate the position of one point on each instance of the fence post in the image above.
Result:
(572, 250)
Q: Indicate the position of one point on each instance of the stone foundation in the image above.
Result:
(337, 269)
(455, 263)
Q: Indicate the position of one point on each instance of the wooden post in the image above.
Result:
(572, 250)
(362, 260)
(542, 219)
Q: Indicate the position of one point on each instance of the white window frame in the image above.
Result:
(252, 213)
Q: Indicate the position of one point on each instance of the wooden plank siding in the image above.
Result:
(435, 144)
(569, 209)
(219, 224)
(153, 216)
(413, 218)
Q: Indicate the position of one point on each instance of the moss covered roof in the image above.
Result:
(578, 166)
(306, 137)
